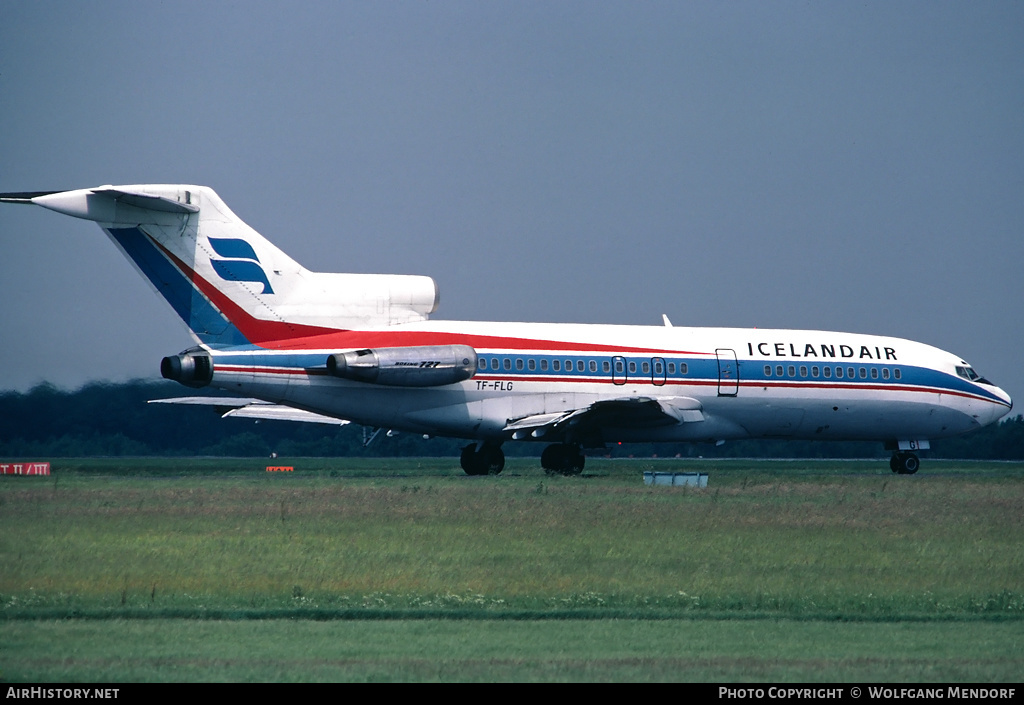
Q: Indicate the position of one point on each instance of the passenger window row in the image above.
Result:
(644, 367)
(827, 372)
(549, 364)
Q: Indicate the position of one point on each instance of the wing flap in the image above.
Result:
(253, 409)
(625, 412)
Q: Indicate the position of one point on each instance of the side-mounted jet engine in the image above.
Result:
(420, 366)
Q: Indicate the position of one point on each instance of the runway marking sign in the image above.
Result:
(24, 468)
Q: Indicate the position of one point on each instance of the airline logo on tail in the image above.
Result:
(240, 264)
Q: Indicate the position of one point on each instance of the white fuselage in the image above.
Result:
(746, 383)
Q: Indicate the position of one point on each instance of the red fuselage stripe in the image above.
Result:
(254, 370)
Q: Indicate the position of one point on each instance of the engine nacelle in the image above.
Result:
(188, 369)
(422, 366)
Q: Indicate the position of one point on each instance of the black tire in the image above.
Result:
(489, 460)
(911, 464)
(470, 461)
(905, 463)
(550, 459)
(562, 459)
(493, 460)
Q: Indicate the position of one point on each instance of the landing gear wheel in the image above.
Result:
(488, 460)
(495, 459)
(910, 463)
(551, 459)
(904, 463)
(562, 459)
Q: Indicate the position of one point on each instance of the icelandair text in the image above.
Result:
(860, 352)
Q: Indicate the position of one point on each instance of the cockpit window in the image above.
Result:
(967, 373)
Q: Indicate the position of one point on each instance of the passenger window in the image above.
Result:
(828, 372)
(519, 363)
(481, 364)
(792, 371)
(683, 368)
(767, 370)
(507, 364)
(532, 364)
(839, 373)
(568, 365)
(814, 371)
(874, 373)
(556, 365)
(885, 373)
(779, 371)
(896, 373)
(606, 366)
(646, 367)
(803, 370)
(863, 373)
(850, 372)
(593, 365)
(544, 365)
(632, 367)
(671, 368)
(494, 363)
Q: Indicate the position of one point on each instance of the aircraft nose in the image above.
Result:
(999, 411)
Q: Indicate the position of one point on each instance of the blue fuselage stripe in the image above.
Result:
(698, 371)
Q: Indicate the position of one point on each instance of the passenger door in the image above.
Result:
(728, 372)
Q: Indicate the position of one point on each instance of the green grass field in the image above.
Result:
(409, 570)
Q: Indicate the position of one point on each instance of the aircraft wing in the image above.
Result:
(253, 409)
(625, 412)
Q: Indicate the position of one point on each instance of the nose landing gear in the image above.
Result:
(904, 463)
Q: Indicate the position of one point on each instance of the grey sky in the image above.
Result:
(839, 166)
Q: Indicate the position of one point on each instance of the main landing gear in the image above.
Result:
(488, 459)
(562, 459)
(904, 463)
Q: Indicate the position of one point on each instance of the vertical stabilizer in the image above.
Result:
(228, 283)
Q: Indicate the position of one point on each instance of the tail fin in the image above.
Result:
(228, 283)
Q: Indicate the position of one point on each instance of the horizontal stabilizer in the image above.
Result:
(116, 206)
(147, 201)
(253, 409)
(24, 196)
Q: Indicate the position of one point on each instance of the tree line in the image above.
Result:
(103, 419)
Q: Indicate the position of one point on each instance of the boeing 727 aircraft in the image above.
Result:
(309, 346)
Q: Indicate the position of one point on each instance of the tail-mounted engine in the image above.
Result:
(189, 369)
(422, 366)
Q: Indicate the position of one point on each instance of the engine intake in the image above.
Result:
(421, 366)
(188, 369)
